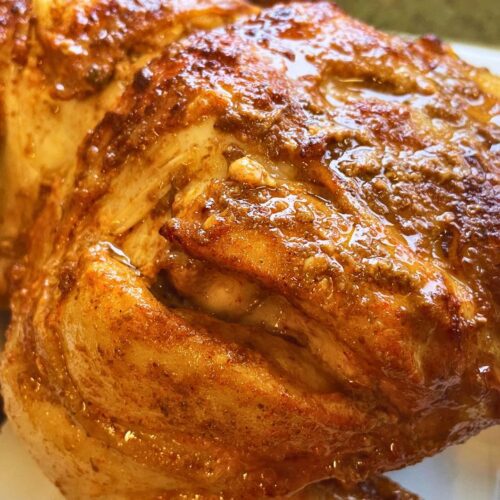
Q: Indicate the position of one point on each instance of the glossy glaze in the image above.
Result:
(278, 263)
(62, 66)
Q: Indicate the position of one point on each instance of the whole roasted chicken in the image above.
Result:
(272, 260)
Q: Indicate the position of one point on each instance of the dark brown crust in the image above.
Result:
(82, 44)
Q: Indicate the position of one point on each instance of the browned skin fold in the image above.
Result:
(62, 66)
(273, 262)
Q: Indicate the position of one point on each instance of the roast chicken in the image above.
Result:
(248, 250)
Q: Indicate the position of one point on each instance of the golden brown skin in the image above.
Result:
(278, 263)
(62, 66)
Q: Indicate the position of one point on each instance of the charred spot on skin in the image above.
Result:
(277, 96)
(164, 408)
(142, 79)
(433, 43)
(179, 107)
(233, 153)
(228, 122)
(67, 279)
(262, 100)
(95, 468)
(220, 54)
(450, 243)
(98, 76)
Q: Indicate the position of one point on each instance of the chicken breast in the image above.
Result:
(276, 263)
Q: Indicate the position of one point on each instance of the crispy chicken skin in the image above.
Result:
(277, 262)
(62, 66)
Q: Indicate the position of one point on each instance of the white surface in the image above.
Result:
(465, 472)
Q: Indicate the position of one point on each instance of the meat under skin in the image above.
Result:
(278, 263)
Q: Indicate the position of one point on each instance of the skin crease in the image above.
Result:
(276, 263)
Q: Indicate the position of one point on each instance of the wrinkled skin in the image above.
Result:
(277, 263)
(62, 66)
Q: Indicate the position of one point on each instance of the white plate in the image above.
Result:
(465, 472)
